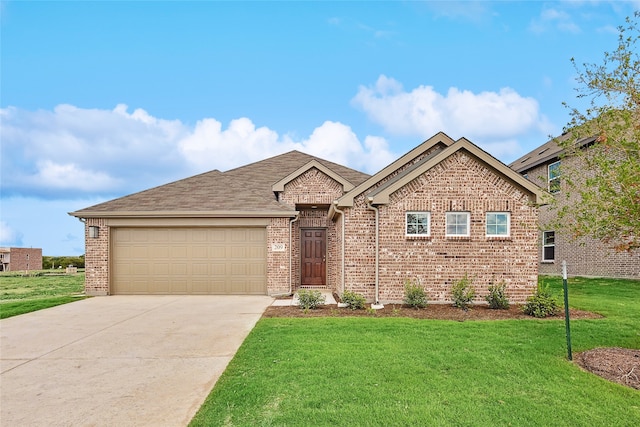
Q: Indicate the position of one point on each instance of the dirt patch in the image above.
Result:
(614, 364)
(620, 365)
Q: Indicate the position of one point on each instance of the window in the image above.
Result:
(458, 224)
(554, 177)
(548, 246)
(498, 224)
(418, 224)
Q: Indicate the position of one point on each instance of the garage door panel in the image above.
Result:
(179, 235)
(217, 252)
(178, 251)
(200, 269)
(179, 286)
(161, 286)
(200, 253)
(139, 251)
(188, 261)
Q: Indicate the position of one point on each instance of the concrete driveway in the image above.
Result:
(120, 360)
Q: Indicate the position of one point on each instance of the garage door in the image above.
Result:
(189, 261)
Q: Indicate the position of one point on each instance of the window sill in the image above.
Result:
(459, 238)
(417, 237)
(499, 238)
(547, 262)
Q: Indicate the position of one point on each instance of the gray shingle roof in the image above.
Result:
(548, 151)
(246, 188)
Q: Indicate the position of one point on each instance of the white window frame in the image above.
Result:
(546, 245)
(555, 178)
(468, 223)
(406, 224)
(486, 225)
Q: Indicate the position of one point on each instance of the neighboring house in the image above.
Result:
(586, 256)
(20, 259)
(443, 210)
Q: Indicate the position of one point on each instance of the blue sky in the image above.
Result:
(103, 99)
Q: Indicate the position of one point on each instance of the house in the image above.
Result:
(443, 210)
(20, 259)
(586, 256)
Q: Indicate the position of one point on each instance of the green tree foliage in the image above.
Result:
(603, 187)
(49, 262)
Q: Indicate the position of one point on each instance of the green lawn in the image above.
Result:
(22, 294)
(400, 372)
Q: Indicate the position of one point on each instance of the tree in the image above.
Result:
(603, 197)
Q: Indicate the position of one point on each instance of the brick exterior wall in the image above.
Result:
(96, 282)
(458, 183)
(312, 188)
(585, 257)
(278, 272)
(23, 259)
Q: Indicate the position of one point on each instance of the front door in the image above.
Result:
(313, 254)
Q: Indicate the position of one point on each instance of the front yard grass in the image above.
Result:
(398, 371)
(21, 294)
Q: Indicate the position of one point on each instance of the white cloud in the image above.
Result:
(554, 18)
(209, 145)
(71, 177)
(73, 152)
(491, 119)
(8, 236)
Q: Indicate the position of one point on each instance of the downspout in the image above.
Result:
(297, 217)
(376, 304)
(335, 208)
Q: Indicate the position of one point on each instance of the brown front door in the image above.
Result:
(313, 253)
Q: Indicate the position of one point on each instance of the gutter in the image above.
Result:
(335, 208)
(376, 303)
(181, 214)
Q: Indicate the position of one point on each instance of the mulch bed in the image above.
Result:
(620, 365)
(432, 311)
(614, 364)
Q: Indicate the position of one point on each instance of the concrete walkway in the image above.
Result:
(120, 360)
(328, 295)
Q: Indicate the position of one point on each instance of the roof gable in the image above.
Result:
(381, 195)
(279, 186)
(439, 138)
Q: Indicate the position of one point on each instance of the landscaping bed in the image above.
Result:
(432, 311)
(620, 365)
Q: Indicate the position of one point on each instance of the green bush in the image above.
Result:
(354, 300)
(497, 298)
(541, 304)
(310, 299)
(462, 293)
(414, 295)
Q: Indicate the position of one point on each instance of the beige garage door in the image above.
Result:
(189, 261)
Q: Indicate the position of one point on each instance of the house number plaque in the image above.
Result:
(277, 247)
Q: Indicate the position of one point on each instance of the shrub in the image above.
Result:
(497, 298)
(541, 304)
(310, 299)
(414, 295)
(462, 293)
(354, 300)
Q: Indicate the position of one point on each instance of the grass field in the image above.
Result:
(397, 372)
(22, 294)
